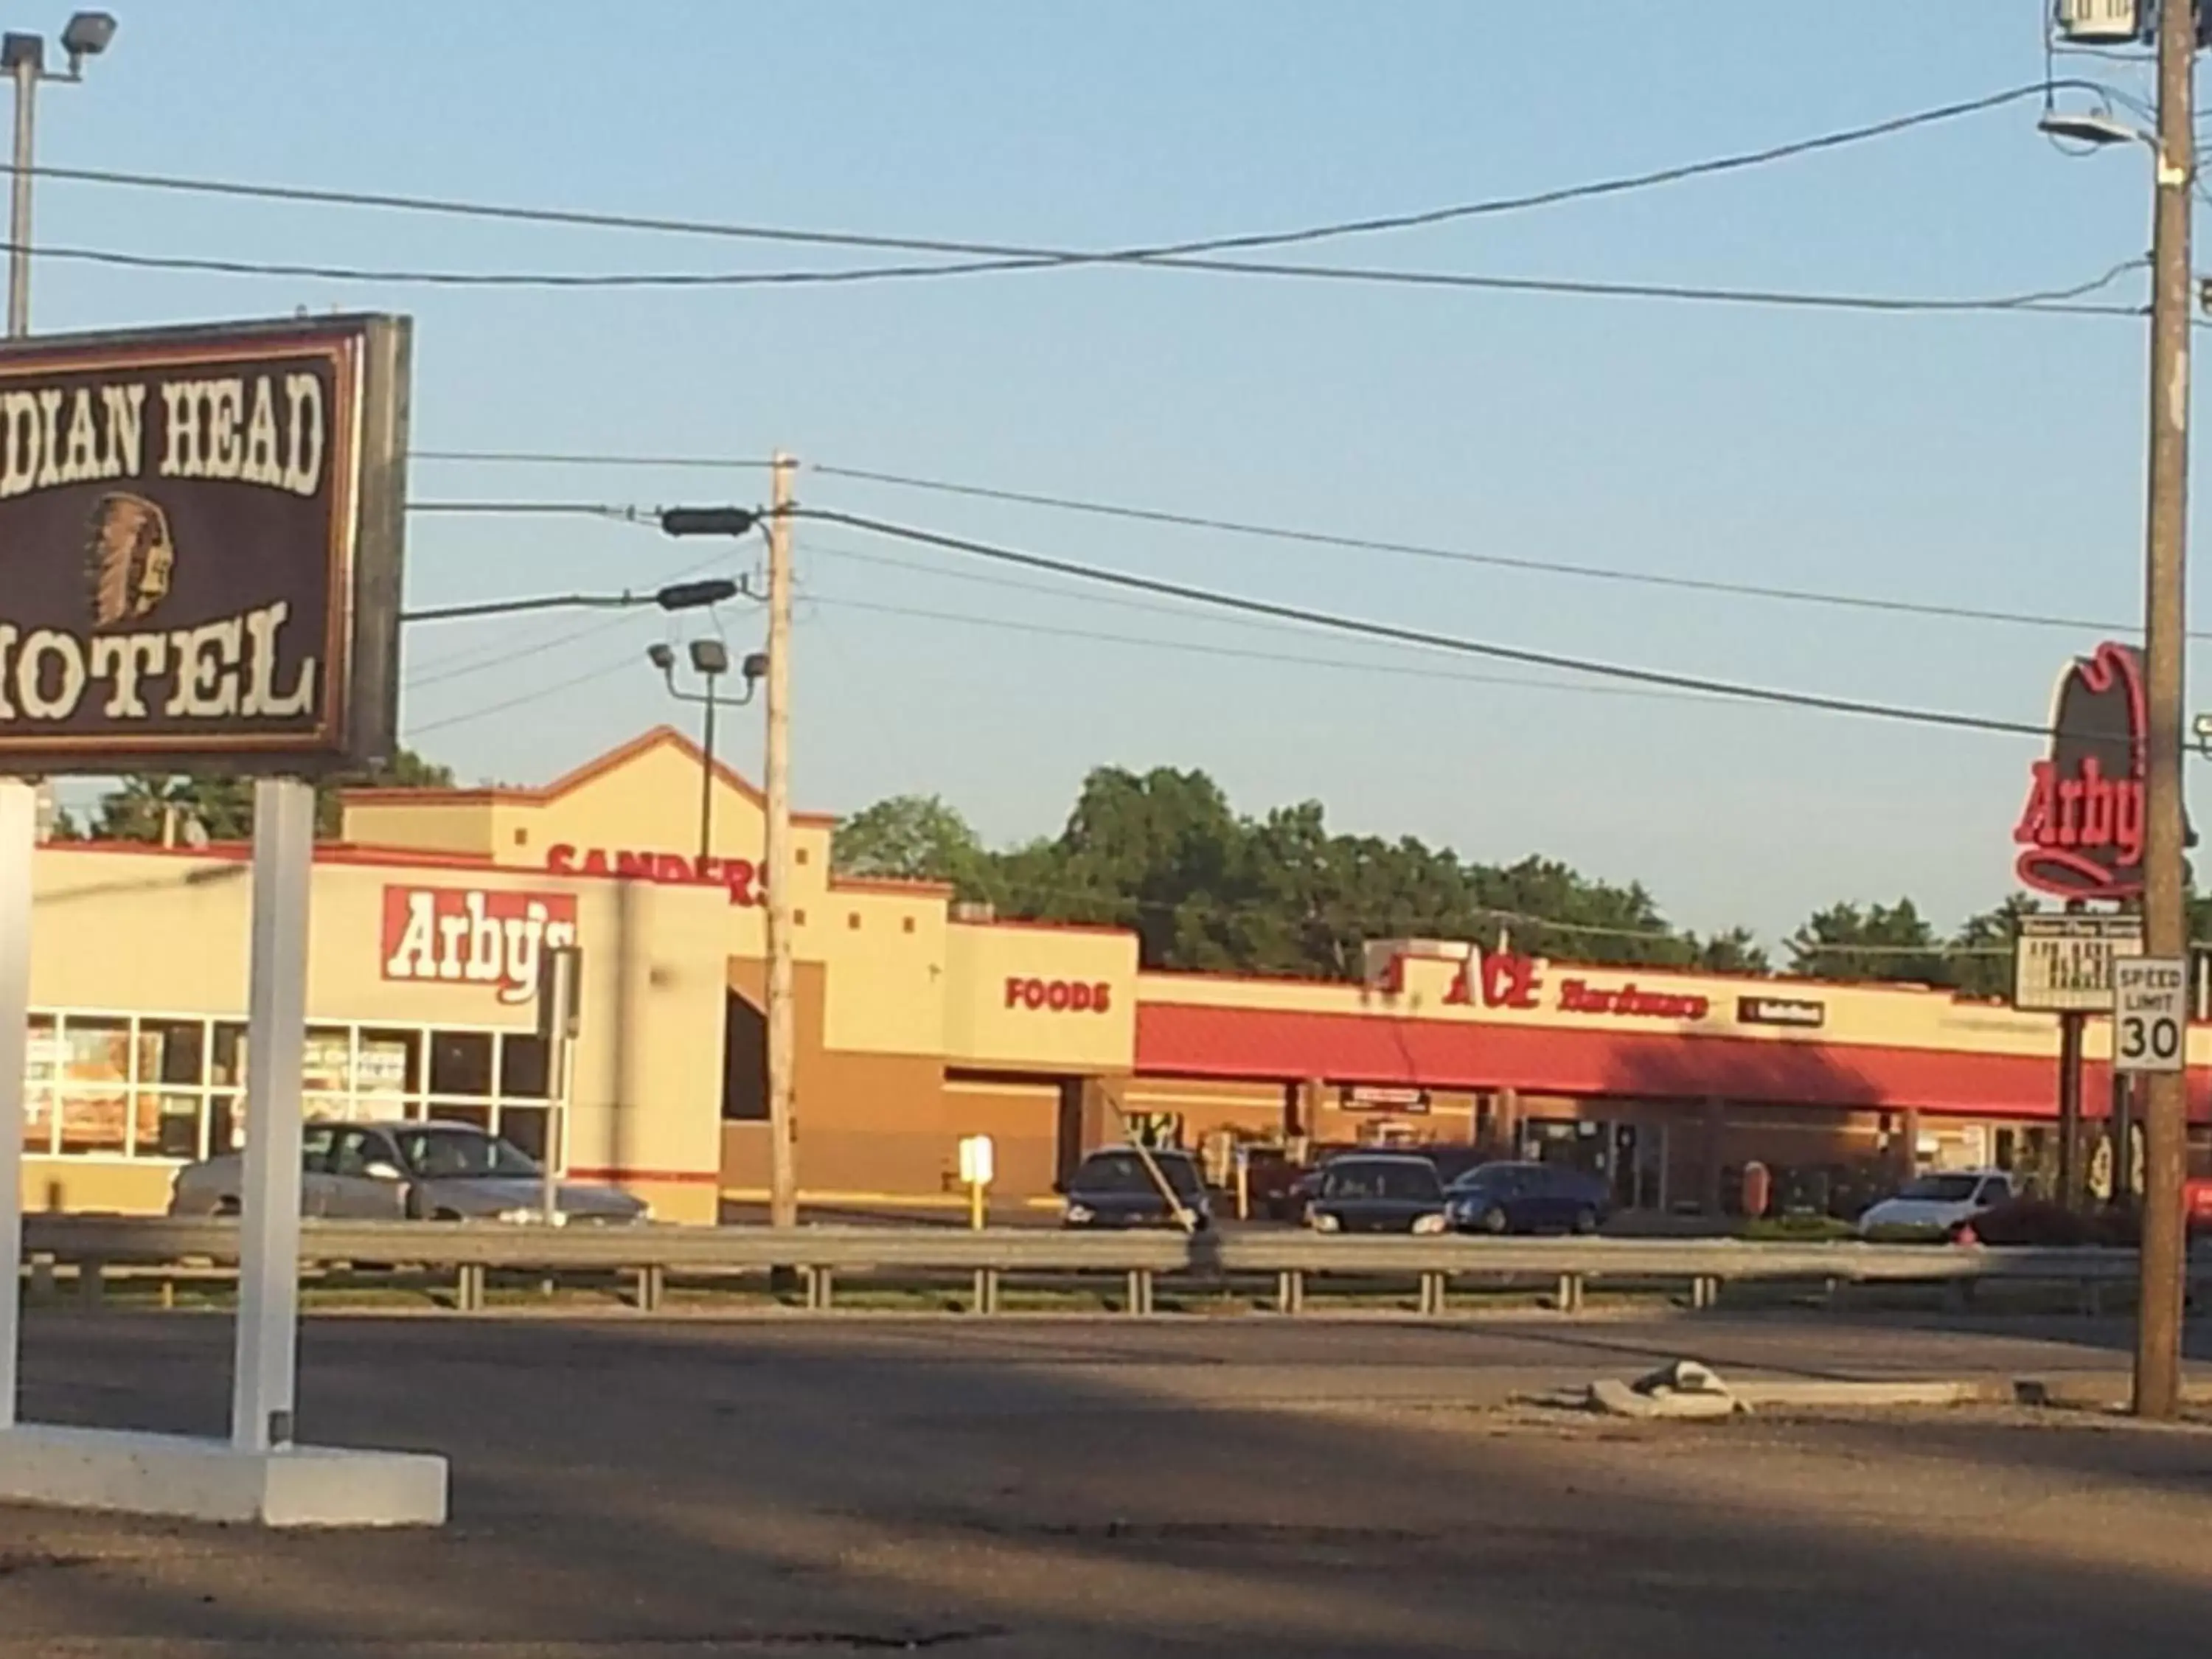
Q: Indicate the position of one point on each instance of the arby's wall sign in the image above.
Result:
(458, 935)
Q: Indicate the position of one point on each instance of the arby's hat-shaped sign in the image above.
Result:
(2080, 832)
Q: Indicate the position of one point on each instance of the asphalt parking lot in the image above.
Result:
(1114, 1487)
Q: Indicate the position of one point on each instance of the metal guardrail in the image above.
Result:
(93, 1243)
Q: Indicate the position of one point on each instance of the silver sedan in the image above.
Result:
(410, 1171)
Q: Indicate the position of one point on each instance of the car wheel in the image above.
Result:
(1494, 1220)
(227, 1206)
(1585, 1221)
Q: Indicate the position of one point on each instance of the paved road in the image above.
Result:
(1092, 1488)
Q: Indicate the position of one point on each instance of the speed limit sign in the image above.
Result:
(2150, 1013)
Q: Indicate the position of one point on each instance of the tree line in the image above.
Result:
(1205, 888)
(155, 808)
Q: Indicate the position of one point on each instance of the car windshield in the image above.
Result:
(442, 1154)
(1125, 1172)
(1350, 1178)
(1941, 1189)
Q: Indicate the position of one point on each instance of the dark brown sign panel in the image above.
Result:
(200, 544)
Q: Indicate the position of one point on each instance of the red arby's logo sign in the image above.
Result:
(2081, 833)
(456, 935)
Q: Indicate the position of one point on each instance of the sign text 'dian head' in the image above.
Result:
(199, 546)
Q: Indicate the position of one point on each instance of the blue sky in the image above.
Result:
(1979, 460)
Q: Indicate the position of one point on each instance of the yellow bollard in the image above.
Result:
(976, 1170)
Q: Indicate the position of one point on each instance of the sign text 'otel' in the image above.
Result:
(199, 546)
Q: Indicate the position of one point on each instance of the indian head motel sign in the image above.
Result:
(200, 545)
(200, 534)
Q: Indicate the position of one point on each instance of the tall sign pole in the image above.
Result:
(2158, 1326)
(783, 1171)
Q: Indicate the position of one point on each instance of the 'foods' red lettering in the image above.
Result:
(490, 938)
(1058, 995)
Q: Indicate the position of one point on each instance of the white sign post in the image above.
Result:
(2150, 1014)
(18, 837)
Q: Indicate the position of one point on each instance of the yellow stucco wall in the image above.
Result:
(1026, 998)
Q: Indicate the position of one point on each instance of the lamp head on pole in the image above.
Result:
(86, 35)
(710, 657)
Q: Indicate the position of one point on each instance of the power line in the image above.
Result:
(2054, 301)
(1242, 653)
(1140, 515)
(1339, 624)
(1459, 556)
(419, 729)
(999, 251)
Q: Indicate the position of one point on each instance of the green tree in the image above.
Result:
(1734, 951)
(912, 838)
(151, 807)
(1981, 961)
(1876, 942)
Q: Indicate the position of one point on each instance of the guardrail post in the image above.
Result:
(469, 1288)
(1705, 1291)
(986, 1299)
(1433, 1293)
(1570, 1293)
(651, 1286)
(821, 1289)
(1290, 1292)
(1140, 1290)
(91, 1281)
(42, 1278)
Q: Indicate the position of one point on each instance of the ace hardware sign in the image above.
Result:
(200, 536)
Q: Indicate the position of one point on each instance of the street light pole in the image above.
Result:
(783, 1172)
(707, 773)
(2163, 1260)
(25, 69)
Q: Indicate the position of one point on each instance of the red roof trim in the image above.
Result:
(1275, 1045)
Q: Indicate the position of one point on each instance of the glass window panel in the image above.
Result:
(95, 1051)
(94, 1120)
(173, 1051)
(524, 1128)
(226, 1124)
(176, 1127)
(42, 1064)
(229, 1067)
(329, 1068)
(389, 1065)
(461, 1063)
(524, 1066)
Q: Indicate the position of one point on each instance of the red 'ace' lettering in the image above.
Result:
(1506, 981)
(455, 934)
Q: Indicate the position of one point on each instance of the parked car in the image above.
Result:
(1528, 1198)
(1113, 1188)
(408, 1171)
(1378, 1193)
(1938, 1203)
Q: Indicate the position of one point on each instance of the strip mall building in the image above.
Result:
(917, 1026)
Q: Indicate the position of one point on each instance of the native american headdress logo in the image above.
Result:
(129, 559)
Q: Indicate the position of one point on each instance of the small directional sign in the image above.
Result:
(2150, 1013)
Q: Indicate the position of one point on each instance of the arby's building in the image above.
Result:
(919, 1023)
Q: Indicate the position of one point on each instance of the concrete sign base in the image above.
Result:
(213, 1480)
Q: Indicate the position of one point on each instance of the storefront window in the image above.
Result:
(387, 1068)
(173, 1089)
(461, 1063)
(523, 1067)
(525, 1125)
(95, 1093)
(42, 1066)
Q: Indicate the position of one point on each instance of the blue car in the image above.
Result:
(1527, 1198)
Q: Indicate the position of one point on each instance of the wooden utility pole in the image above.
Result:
(783, 1171)
(2166, 922)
